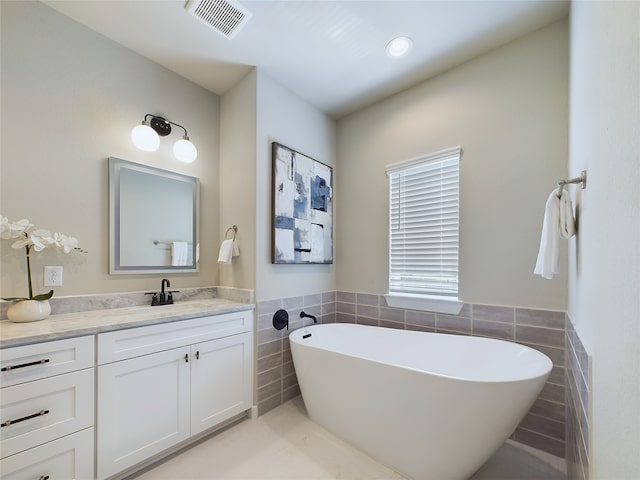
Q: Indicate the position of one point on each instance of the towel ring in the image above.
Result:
(233, 229)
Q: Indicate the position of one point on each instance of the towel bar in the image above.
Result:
(166, 245)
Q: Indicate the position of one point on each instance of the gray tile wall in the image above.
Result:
(544, 425)
(276, 378)
(578, 392)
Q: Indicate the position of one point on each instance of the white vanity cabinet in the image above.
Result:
(47, 410)
(162, 384)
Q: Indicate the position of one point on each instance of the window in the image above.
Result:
(423, 228)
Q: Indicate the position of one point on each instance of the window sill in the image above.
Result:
(428, 304)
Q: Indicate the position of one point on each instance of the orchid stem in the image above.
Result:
(28, 247)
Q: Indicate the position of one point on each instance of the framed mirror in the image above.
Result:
(153, 219)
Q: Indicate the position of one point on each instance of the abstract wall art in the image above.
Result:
(302, 208)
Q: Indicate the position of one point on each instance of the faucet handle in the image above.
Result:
(170, 296)
(154, 299)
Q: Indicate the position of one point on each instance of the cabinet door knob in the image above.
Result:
(186, 357)
(44, 477)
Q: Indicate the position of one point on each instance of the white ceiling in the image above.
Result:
(331, 53)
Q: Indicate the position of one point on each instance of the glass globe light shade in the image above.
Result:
(185, 151)
(145, 138)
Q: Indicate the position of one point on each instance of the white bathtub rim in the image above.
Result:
(521, 378)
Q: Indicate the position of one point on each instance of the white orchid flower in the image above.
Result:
(65, 242)
(13, 229)
(23, 242)
(41, 239)
(36, 240)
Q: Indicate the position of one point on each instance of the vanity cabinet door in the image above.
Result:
(221, 380)
(143, 408)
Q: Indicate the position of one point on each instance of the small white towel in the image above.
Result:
(567, 223)
(558, 223)
(226, 252)
(179, 253)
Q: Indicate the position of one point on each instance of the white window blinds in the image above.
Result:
(423, 225)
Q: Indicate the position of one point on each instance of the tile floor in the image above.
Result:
(284, 444)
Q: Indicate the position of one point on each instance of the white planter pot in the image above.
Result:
(29, 311)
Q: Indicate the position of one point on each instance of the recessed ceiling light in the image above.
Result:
(399, 46)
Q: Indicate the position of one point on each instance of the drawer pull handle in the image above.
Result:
(198, 355)
(22, 365)
(186, 357)
(44, 477)
(28, 417)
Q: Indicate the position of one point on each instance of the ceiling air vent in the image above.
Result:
(227, 17)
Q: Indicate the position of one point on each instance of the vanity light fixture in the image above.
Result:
(146, 136)
(399, 46)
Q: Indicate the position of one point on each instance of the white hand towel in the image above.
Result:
(558, 222)
(567, 223)
(236, 249)
(226, 252)
(547, 262)
(179, 253)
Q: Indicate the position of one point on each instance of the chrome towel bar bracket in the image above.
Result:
(582, 180)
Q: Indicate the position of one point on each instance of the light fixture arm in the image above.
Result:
(186, 137)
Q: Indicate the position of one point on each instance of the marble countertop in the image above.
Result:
(68, 325)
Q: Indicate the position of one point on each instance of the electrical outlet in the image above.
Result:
(52, 276)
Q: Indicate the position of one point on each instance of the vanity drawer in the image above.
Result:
(40, 360)
(37, 412)
(134, 342)
(67, 458)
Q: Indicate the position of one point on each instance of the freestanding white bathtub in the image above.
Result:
(428, 405)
